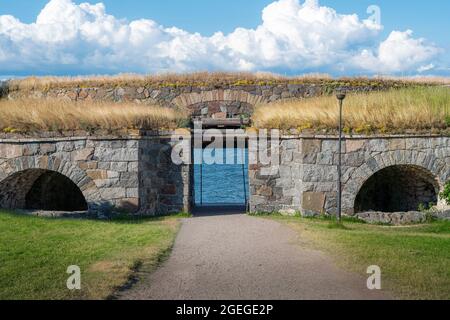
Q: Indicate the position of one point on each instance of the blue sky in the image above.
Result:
(427, 19)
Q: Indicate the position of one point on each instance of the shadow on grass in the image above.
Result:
(333, 223)
(121, 218)
(337, 226)
(129, 219)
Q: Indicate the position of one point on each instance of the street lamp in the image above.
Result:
(340, 95)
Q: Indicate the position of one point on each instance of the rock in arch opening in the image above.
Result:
(38, 189)
(399, 188)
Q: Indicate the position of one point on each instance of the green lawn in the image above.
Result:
(35, 253)
(414, 260)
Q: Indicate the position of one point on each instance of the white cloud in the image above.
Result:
(426, 68)
(400, 52)
(296, 36)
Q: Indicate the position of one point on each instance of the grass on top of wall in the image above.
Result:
(412, 110)
(204, 79)
(35, 115)
(166, 79)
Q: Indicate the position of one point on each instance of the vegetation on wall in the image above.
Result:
(208, 79)
(445, 195)
(411, 110)
(34, 115)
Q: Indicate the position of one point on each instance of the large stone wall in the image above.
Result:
(136, 174)
(306, 180)
(131, 174)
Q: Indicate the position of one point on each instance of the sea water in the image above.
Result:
(218, 183)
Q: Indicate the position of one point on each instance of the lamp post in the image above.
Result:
(340, 95)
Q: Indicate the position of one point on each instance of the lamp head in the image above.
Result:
(340, 94)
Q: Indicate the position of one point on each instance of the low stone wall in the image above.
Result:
(402, 218)
(393, 218)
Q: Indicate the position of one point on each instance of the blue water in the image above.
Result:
(222, 183)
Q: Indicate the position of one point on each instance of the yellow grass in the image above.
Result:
(32, 115)
(434, 80)
(396, 111)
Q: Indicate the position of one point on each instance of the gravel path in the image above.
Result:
(242, 257)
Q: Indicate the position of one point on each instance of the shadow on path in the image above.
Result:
(217, 210)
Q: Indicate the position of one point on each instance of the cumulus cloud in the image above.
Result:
(294, 36)
(398, 53)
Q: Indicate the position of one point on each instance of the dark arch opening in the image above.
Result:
(398, 188)
(37, 189)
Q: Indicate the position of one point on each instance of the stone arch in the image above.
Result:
(239, 100)
(427, 162)
(36, 166)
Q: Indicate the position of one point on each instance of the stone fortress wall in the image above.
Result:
(135, 174)
(388, 174)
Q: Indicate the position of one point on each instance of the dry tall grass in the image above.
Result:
(33, 115)
(433, 80)
(395, 111)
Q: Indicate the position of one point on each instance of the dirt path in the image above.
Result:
(242, 257)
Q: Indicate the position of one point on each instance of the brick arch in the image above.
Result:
(426, 161)
(188, 99)
(55, 164)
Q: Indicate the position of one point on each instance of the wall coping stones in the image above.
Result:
(361, 137)
(142, 135)
(25, 139)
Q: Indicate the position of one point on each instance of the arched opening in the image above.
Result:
(221, 109)
(38, 189)
(399, 188)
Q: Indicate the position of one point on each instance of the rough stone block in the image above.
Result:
(47, 148)
(397, 144)
(133, 166)
(89, 165)
(97, 174)
(31, 149)
(9, 151)
(169, 189)
(113, 193)
(129, 179)
(129, 204)
(354, 145)
(65, 146)
(82, 154)
(132, 192)
(311, 146)
(121, 154)
(264, 191)
(333, 146)
(313, 201)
